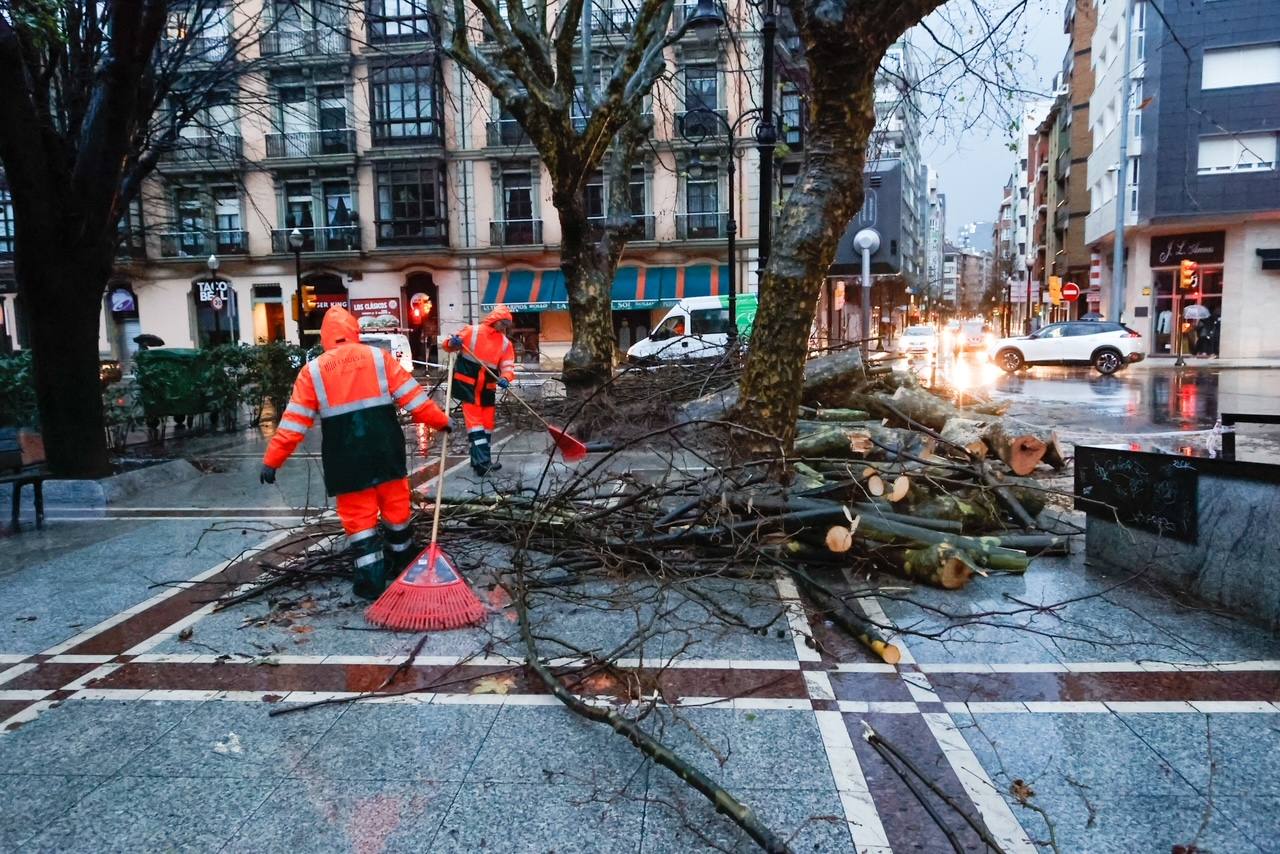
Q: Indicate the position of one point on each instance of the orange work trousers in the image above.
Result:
(476, 415)
(359, 510)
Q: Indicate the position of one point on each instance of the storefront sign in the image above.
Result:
(380, 312)
(214, 293)
(324, 302)
(1170, 250)
(123, 301)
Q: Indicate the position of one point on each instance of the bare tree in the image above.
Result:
(541, 76)
(91, 95)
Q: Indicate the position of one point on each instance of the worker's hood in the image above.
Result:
(338, 326)
(499, 314)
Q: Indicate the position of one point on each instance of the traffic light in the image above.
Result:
(1055, 290)
(309, 298)
(1189, 275)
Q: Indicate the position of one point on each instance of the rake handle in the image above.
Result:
(444, 448)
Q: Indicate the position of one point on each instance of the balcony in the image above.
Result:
(640, 228)
(407, 232)
(131, 245)
(700, 123)
(506, 132)
(199, 245)
(515, 232)
(334, 238)
(702, 226)
(1061, 219)
(303, 43)
(198, 48)
(203, 149)
(616, 20)
(311, 143)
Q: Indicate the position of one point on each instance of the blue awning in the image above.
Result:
(633, 287)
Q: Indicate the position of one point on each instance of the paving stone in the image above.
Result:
(32, 802)
(549, 744)
(305, 815)
(535, 819)
(681, 819)
(234, 739)
(756, 749)
(153, 814)
(401, 742)
(1238, 754)
(88, 736)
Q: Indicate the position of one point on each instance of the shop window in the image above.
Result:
(526, 328)
(216, 317)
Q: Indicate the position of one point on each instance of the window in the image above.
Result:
(637, 193)
(6, 222)
(595, 195)
(1240, 153)
(1254, 65)
(298, 206)
(701, 92)
(399, 21)
(404, 103)
(792, 118)
(411, 206)
(702, 200)
(228, 237)
(517, 207)
(709, 321)
(189, 208)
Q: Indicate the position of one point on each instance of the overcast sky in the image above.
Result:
(973, 165)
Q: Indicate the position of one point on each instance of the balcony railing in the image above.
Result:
(506, 132)
(640, 227)
(702, 226)
(408, 232)
(701, 123)
(131, 244)
(202, 244)
(617, 19)
(311, 143)
(319, 42)
(198, 48)
(333, 238)
(515, 232)
(204, 149)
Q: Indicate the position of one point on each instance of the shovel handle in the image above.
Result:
(517, 397)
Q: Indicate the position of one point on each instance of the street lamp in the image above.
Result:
(697, 130)
(866, 241)
(212, 263)
(295, 243)
(706, 21)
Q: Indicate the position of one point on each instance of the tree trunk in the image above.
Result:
(588, 274)
(62, 315)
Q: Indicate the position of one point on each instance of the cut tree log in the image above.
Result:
(834, 442)
(828, 381)
(843, 615)
(839, 538)
(1020, 451)
(840, 415)
(941, 565)
(967, 433)
(901, 488)
(875, 485)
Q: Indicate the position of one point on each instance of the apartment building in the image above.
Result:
(935, 242)
(1024, 285)
(1202, 181)
(353, 160)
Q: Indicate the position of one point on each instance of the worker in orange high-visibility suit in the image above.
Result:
(486, 362)
(354, 389)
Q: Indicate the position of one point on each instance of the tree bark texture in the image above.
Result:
(588, 273)
(843, 44)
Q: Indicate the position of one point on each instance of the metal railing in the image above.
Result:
(515, 232)
(640, 228)
(311, 143)
(202, 244)
(615, 19)
(318, 42)
(701, 122)
(408, 232)
(203, 149)
(506, 132)
(702, 226)
(199, 48)
(333, 238)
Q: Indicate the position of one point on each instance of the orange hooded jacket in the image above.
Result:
(354, 389)
(484, 345)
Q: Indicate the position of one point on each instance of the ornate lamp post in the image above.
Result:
(295, 243)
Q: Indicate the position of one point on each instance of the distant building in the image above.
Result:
(979, 236)
(935, 241)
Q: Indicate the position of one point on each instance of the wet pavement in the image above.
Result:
(1065, 710)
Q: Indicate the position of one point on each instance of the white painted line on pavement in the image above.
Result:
(16, 671)
(860, 812)
(30, 713)
(797, 620)
(992, 806)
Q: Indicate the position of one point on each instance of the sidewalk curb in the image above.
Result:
(108, 490)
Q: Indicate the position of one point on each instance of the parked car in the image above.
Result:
(974, 336)
(396, 342)
(918, 341)
(1106, 346)
(694, 328)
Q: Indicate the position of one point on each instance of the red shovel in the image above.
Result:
(570, 448)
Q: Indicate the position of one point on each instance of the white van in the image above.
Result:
(694, 328)
(395, 342)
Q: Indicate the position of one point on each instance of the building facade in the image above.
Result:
(402, 182)
(1202, 181)
(935, 243)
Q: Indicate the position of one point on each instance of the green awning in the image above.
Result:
(634, 288)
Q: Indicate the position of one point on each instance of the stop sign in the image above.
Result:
(1071, 292)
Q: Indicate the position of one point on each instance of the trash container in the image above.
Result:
(171, 382)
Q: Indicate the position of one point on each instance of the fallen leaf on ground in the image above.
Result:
(185, 634)
(1021, 791)
(301, 630)
(494, 685)
(272, 698)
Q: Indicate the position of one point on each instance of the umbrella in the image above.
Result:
(1195, 311)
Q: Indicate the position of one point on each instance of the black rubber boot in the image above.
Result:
(370, 567)
(400, 549)
(481, 457)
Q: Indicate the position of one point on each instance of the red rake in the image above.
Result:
(430, 593)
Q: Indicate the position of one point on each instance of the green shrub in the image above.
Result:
(274, 369)
(18, 391)
(121, 412)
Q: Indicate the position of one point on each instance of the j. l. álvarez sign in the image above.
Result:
(1170, 250)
